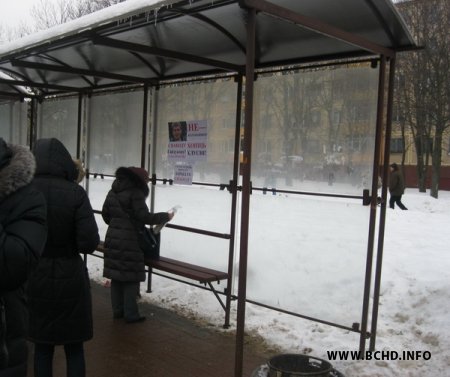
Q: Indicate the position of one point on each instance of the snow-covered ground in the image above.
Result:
(320, 274)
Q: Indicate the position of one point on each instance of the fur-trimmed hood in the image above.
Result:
(18, 171)
(126, 178)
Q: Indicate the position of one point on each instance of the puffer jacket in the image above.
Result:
(59, 290)
(125, 211)
(22, 238)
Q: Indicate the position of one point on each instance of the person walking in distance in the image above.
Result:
(59, 289)
(396, 187)
(23, 232)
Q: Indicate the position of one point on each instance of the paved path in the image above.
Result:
(166, 345)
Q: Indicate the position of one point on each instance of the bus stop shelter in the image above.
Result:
(142, 46)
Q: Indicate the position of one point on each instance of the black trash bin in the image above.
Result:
(298, 365)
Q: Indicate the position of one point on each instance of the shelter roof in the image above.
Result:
(146, 42)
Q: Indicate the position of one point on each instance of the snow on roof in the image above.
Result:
(118, 12)
(149, 41)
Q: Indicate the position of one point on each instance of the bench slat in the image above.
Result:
(188, 270)
(219, 275)
(182, 271)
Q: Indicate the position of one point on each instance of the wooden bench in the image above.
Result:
(187, 270)
(201, 274)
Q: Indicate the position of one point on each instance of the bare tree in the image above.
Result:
(47, 13)
(424, 89)
(14, 32)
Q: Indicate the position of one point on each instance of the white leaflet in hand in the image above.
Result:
(157, 228)
(174, 209)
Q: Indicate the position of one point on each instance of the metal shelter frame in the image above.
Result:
(163, 41)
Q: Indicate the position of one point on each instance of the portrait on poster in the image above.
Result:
(177, 131)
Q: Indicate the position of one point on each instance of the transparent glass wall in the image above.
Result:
(213, 102)
(202, 207)
(58, 118)
(13, 122)
(98, 189)
(314, 131)
(115, 131)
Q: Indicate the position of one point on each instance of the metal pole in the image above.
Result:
(154, 133)
(233, 188)
(87, 126)
(32, 123)
(382, 223)
(245, 210)
(144, 126)
(373, 205)
(79, 122)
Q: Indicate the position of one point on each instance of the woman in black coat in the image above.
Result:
(23, 233)
(59, 289)
(125, 211)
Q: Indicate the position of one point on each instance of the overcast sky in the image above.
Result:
(14, 11)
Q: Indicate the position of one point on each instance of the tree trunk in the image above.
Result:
(436, 165)
(421, 167)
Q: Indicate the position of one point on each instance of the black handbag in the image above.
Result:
(149, 242)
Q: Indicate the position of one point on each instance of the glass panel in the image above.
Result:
(205, 251)
(97, 189)
(13, 122)
(201, 207)
(307, 255)
(59, 118)
(216, 104)
(314, 130)
(205, 208)
(115, 131)
(102, 227)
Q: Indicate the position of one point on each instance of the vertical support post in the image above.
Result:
(144, 127)
(233, 189)
(149, 280)
(154, 134)
(31, 132)
(246, 190)
(11, 137)
(373, 203)
(144, 140)
(152, 165)
(79, 124)
(87, 137)
(382, 222)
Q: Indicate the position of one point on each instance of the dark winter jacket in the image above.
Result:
(22, 237)
(396, 183)
(59, 289)
(125, 211)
